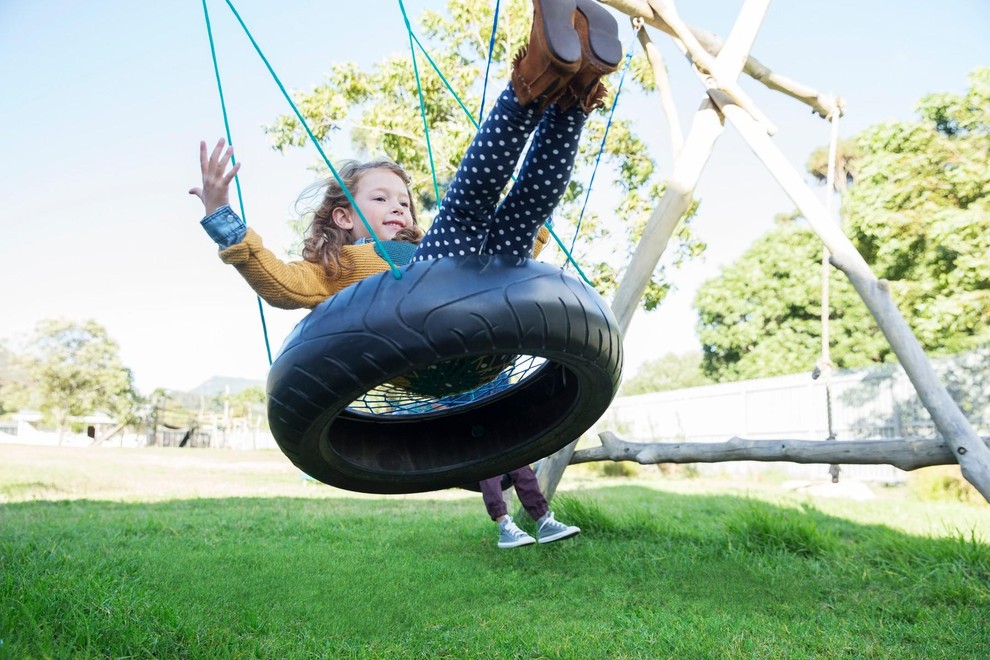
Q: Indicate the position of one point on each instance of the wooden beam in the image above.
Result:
(821, 104)
(903, 454)
(721, 72)
(972, 453)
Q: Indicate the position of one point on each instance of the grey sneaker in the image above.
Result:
(549, 530)
(510, 536)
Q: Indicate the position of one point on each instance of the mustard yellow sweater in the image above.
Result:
(296, 284)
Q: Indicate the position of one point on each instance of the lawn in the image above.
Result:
(200, 553)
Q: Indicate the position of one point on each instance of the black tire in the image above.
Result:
(443, 309)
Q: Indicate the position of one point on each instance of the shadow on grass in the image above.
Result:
(651, 573)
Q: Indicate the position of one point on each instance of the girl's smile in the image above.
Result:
(384, 201)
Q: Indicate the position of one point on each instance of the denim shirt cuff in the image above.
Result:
(225, 227)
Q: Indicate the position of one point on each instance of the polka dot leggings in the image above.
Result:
(471, 220)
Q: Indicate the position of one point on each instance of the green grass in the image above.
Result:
(312, 572)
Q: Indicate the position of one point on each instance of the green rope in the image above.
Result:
(570, 257)
(488, 66)
(233, 161)
(316, 143)
(443, 79)
(422, 105)
(477, 125)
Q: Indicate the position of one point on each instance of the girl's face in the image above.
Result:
(383, 199)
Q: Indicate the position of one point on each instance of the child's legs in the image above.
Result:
(491, 493)
(529, 493)
(464, 220)
(541, 183)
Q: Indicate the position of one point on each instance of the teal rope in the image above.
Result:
(601, 148)
(570, 257)
(488, 67)
(477, 125)
(316, 143)
(422, 104)
(443, 79)
(233, 161)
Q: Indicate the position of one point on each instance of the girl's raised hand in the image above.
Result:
(216, 178)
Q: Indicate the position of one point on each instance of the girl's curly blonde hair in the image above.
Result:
(324, 238)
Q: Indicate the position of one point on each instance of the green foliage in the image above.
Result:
(918, 211)
(379, 110)
(762, 316)
(920, 214)
(173, 410)
(943, 483)
(624, 469)
(670, 372)
(246, 401)
(74, 369)
(845, 164)
(10, 375)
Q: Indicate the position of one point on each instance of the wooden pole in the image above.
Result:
(677, 198)
(659, 69)
(820, 103)
(972, 454)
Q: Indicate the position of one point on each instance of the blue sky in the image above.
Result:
(104, 104)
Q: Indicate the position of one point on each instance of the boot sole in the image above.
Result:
(602, 33)
(558, 28)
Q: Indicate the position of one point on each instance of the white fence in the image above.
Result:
(874, 403)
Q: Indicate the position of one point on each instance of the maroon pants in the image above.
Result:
(527, 489)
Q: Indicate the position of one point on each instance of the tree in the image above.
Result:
(762, 315)
(247, 405)
(670, 372)
(9, 376)
(920, 214)
(846, 155)
(380, 109)
(918, 209)
(74, 369)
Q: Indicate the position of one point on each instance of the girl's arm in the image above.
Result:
(287, 285)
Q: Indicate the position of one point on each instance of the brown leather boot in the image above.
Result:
(542, 68)
(601, 53)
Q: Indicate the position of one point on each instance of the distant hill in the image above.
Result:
(219, 384)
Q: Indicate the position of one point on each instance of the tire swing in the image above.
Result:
(358, 396)
(441, 373)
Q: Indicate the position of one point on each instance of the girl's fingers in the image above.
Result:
(216, 154)
(214, 166)
(231, 174)
(226, 158)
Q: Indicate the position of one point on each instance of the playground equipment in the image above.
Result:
(719, 65)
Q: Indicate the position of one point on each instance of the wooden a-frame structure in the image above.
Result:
(719, 64)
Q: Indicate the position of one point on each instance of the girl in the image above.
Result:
(555, 83)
